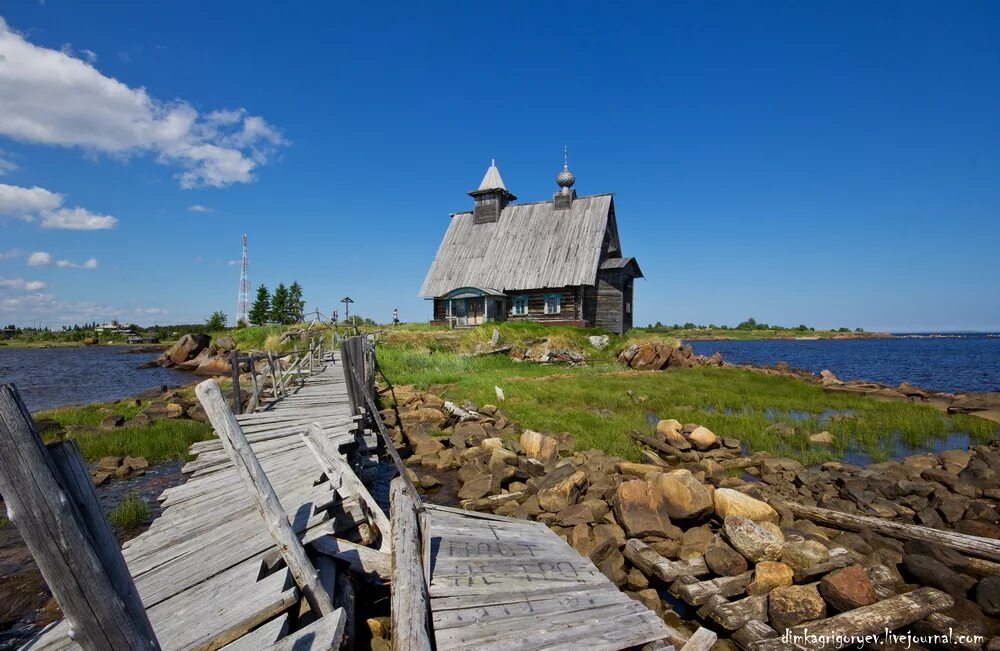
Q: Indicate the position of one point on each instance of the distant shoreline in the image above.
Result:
(790, 336)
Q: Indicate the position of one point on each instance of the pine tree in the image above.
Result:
(279, 304)
(217, 321)
(260, 313)
(296, 306)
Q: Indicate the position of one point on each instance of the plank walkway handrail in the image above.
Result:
(52, 502)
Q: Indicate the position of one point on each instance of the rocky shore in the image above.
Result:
(703, 546)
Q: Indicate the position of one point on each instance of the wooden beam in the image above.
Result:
(410, 604)
(264, 497)
(234, 363)
(57, 513)
(987, 548)
(848, 627)
(653, 565)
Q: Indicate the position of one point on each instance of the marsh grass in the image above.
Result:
(161, 440)
(130, 512)
(600, 403)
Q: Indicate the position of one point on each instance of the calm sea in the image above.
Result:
(951, 362)
(53, 377)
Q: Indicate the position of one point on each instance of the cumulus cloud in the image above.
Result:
(6, 165)
(39, 259)
(76, 219)
(66, 264)
(199, 208)
(54, 98)
(21, 283)
(41, 205)
(233, 263)
(149, 310)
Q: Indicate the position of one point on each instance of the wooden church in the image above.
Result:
(557, 261)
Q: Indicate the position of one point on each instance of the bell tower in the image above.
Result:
(490, 197)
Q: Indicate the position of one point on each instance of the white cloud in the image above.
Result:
(199, 208)
(76, 219)
(6, 165)
(233, 263)
(16, 201)
(39, 259)
(66, 264)
(21, 283)
(50, 97)
(149, 310)
(39, 204)
(10, 255)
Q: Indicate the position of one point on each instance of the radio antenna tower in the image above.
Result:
(243, 304)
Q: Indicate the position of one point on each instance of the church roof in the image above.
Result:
(530, 246)
(492, 180)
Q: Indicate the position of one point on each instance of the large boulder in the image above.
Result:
(768, 575)
(703, 439)
(218, 365)
(685, 497)
(731, 502)
(723, 560)
(803, 554)
(754, 541)
(557, 496)
(641, 509)
(670, 430)
(185, 348)
(224, 343)
(792, 605)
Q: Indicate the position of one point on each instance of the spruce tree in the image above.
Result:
(279, 304)
(260, 313)
(296, 306)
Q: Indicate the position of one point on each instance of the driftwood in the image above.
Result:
(846, 628)
(839, 557)
(665, 447)
(699, 592)
(459, 413)
(752, 632)
(702, 640)
(653, 565)
(732, 615)
(490, 502)
(53, 505)
(986, 548)
(263, 497)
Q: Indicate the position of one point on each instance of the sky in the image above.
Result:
(827, 163)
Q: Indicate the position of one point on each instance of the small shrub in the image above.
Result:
(130, 512)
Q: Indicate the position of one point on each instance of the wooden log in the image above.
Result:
(986, 548)
(104, 612)
(655, 459)
(410, 605)
(234, 362)
(698, 593)
(639, 470)
(459, 413)
(702, 640)
(263, 496)
(848, 627)
(654, 565)
(665, 447)
(277, 386)
(490, 502)
(732, 615)
(752, 632)
(839, 557)
(337, 469)
(345, 600)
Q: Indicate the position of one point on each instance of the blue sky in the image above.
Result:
(832, 163)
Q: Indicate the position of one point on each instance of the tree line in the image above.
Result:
(284, 306)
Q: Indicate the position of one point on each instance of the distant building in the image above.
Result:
(556, 261)
(8, 333)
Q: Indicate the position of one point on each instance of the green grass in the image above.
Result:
(594, 405)
(4, 521)
(130, 512)
(161, 440)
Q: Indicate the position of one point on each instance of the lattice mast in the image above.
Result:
(243, 303)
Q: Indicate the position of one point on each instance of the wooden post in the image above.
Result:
(409, 590)
(234, 362)
(263, 496)
(255, 398)
(52, 503)
(276, 379)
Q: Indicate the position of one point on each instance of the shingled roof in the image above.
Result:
(530, 246)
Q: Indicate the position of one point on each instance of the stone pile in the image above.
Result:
(120, 467)
(655, 356)
(198, 354)
(729, 546)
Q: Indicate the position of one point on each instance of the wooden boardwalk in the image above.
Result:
(203, 567)
(501, 583)
(211, 576)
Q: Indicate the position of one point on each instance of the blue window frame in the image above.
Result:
(520, 305)
(553, 303)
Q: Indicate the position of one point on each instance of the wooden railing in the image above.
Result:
(279, 376)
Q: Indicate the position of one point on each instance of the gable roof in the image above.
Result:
(530, 246)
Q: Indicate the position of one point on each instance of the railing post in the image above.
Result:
(255, 398)
(409, 589)
(52, 502)
(234, 360)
